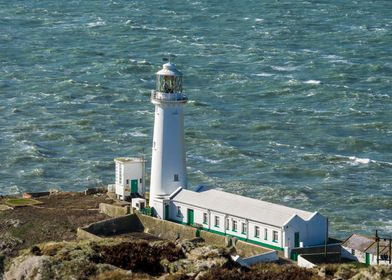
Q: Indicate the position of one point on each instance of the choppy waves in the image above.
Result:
(284, 107)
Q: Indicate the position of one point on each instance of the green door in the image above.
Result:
(367, 258)
(134, 186)
(166, 212)
(296, 239)
(190, 217)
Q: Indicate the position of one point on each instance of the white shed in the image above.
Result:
(267, 224)
(129, 177)
(364, 249)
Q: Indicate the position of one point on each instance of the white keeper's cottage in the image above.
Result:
(271, 225)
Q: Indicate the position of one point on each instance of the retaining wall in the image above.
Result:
(113, 210)
(311, 260)
(262, 258)
(115, 226)
(165, 229)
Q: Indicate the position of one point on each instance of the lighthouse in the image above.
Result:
(168, 164)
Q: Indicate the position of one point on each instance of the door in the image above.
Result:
(367, 258)
(134, 184)
(190, 217)
(167, 212)
(296, 239)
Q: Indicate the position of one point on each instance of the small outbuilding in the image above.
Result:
(364, 249)
(129, 177)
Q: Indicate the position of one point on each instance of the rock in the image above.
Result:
(27, 268)
(321, 272)
(8, 243)
(200, 275)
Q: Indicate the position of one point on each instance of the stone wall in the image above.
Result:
(113, 210)
(165, 229)
(307, 259)
(115, 226)
(247, 249)
(332, 248)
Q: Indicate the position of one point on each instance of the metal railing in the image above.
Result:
(168, 97)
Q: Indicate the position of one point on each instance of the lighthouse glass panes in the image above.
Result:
(169, 84)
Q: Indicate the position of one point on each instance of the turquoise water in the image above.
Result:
(290, 101)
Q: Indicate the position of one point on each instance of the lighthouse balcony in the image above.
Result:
(168, 97)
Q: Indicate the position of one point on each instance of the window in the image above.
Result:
(216, 221)
(274, 236)
(205, 218)
(265, 234)
(227, 224)
(234, 225)
(243, 228)
(257, 231)
(178, 211)
(119, 174)
(175, 177)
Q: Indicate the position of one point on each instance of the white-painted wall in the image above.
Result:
(262, 258)
(221, 228)
(129, 169)
(302, 262)
(168, 150)
(311, 232)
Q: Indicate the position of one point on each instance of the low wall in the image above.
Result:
(311, 260)
(95, 190)
(138, 222)
(332, 248)
(214, 239)
(115, 226)
(249, 249)
(262, 258)
(165, 229)
(302, 262)
(113, 210)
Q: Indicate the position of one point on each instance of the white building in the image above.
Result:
(267, 224)
(270, 225)
(129, 177)
(364, 249)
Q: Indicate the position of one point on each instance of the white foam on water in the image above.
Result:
(97, 23)
(144, 112)
(263, 74)
(360, 160)
(312, 82)
(204, 159)
(285, 68)
(137, 134)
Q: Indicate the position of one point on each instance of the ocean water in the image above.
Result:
(290, 100)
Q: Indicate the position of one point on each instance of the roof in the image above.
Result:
(240, 206)
(366, 244)
(383, 247)
(169, 69)
(129, 159)
(358, 242)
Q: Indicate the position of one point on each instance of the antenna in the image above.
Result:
(168, 57)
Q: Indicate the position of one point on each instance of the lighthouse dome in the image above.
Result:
(169, 79)
(169, 69)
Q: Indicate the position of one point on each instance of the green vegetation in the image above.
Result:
(18, 202)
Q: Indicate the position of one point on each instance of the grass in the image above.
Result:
(19, 202)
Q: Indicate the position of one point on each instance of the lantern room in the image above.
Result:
(169, 79)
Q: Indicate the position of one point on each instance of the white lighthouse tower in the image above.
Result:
(168, 166)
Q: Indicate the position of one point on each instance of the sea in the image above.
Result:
(290, 101)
